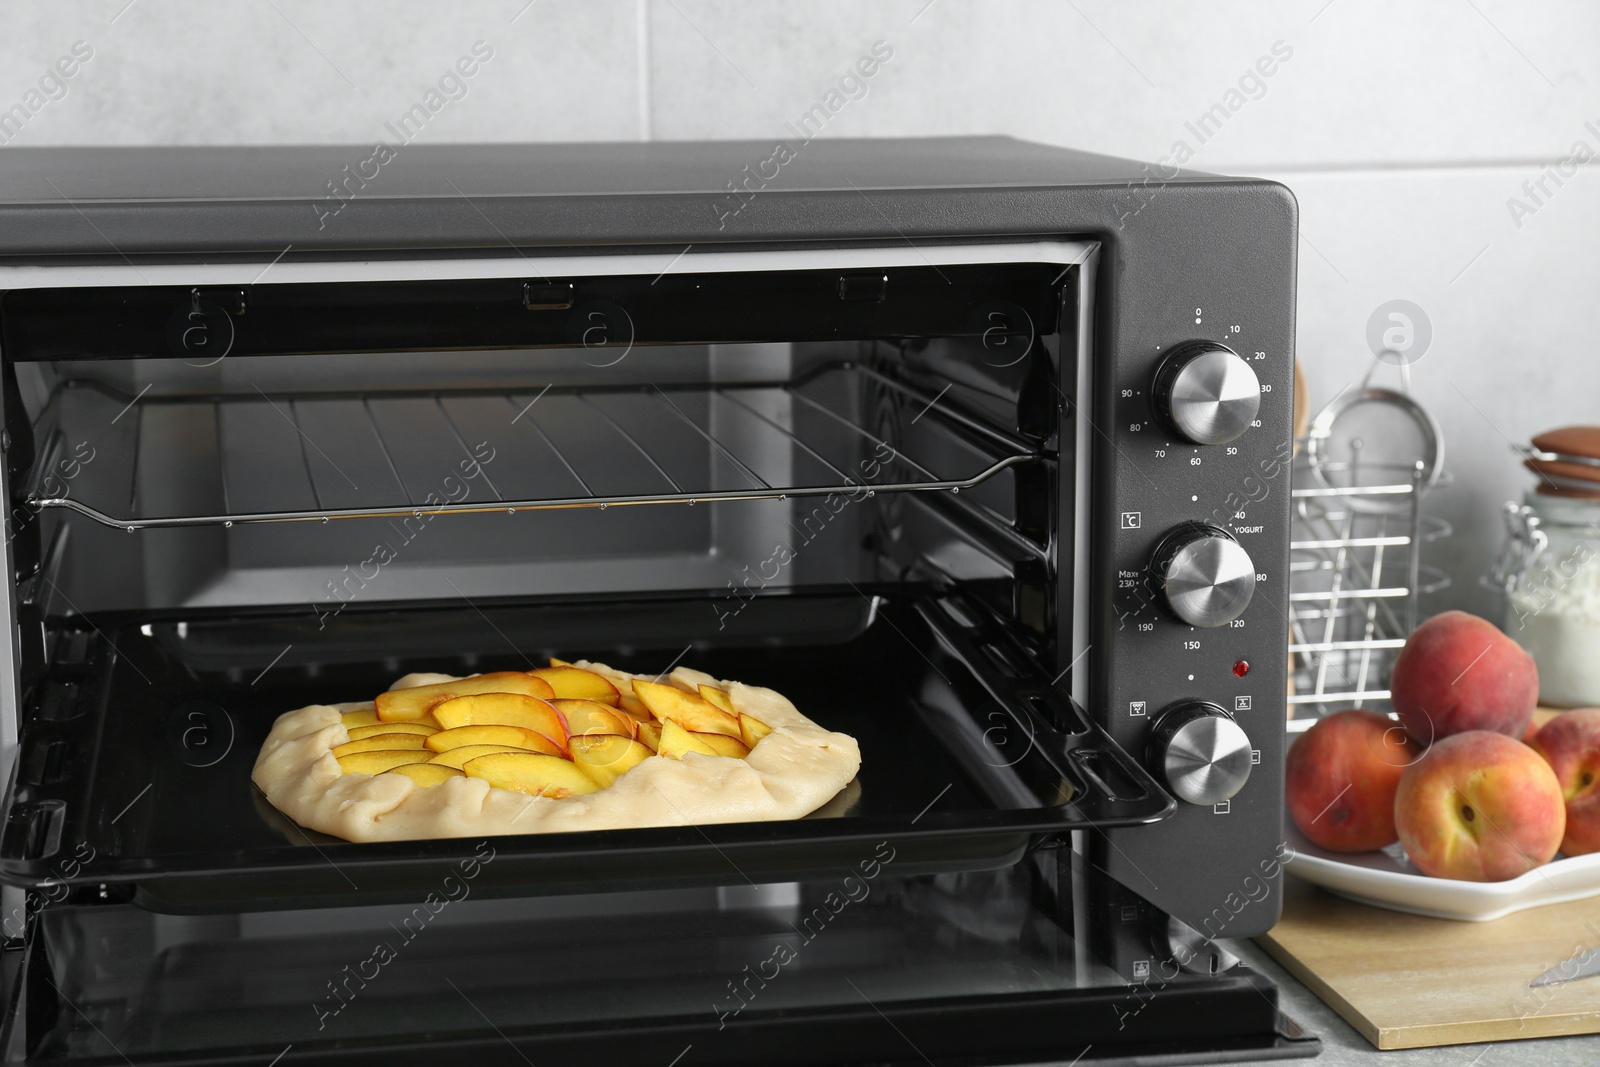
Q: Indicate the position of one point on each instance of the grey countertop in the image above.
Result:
(1343, 1046)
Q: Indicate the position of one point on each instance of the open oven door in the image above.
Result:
(1045, 960)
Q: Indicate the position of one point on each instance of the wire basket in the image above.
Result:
(1355, 579)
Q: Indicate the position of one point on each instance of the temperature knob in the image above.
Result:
(1206, 576)
(1203, 755)
(1206, 392)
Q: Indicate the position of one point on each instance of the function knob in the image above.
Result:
(1203, 755)
(1206, 392)
(1205, 575)
(1191, 950)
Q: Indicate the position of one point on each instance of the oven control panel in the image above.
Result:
(1196, 622)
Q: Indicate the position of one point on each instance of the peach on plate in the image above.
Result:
(1458, 672)
(1481, 807)
(1570, 743)
(1341, 778)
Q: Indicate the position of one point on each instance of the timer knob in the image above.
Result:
(1203, 755)
(1206, 576)
(1206, 392)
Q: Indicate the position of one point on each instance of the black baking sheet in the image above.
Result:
(968, 754)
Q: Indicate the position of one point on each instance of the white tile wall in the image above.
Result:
(1403, 129)
(295, 71)
(1511, 311)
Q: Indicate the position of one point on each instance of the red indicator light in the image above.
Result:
(1241, 669)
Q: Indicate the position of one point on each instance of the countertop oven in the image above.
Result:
(975, 449)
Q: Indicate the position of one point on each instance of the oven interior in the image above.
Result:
(859, 489)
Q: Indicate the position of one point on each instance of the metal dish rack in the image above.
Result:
(1356, 577)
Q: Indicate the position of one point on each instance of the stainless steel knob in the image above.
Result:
(1203, 754)
(1206, 576)
(1192, 951)
(1207, 393)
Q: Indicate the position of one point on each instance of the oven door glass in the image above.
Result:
(859, 966)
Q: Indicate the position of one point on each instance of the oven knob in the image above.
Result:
(1191, 950)
(1206, 576)
(1207, 393)
(1203, 755)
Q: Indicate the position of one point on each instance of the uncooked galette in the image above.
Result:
(575, 746)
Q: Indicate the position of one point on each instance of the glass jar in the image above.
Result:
(1549, 570)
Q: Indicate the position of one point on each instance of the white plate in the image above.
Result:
(1388, 880)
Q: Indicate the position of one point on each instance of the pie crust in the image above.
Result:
(791, 772)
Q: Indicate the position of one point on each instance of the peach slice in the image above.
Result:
(635, 707)
(711, 694)
(359, 718)
(376, 761)
(752, 729)
(379, 728)
(427, 774)
(692, 712)
(649, 735)
(414, 703)
(591, 717)
(503, 709)
(531, 772)
(676, 742)
(632, 720)
(380, 743)
(725, 745)
(606, 757)
(457, 757)
(492, 734)
(560, 662)
(575, 683)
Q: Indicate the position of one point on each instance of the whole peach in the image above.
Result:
(1570, 743)
(1341, 778)
(1481, 807)
(1458, 672)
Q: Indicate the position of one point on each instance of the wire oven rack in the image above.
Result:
(255, 458)
(1356, 576)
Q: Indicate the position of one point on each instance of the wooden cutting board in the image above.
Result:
(1407, 981)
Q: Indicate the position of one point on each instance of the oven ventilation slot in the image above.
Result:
(256, 458)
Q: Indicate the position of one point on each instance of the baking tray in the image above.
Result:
(969, 753)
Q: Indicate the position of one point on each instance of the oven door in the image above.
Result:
(1041, 961)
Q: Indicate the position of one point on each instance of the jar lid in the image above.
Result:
(1567, 460)
(1568, 492)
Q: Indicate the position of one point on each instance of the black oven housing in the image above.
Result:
(1181, 256)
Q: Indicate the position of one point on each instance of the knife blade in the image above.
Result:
(1585, 964)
